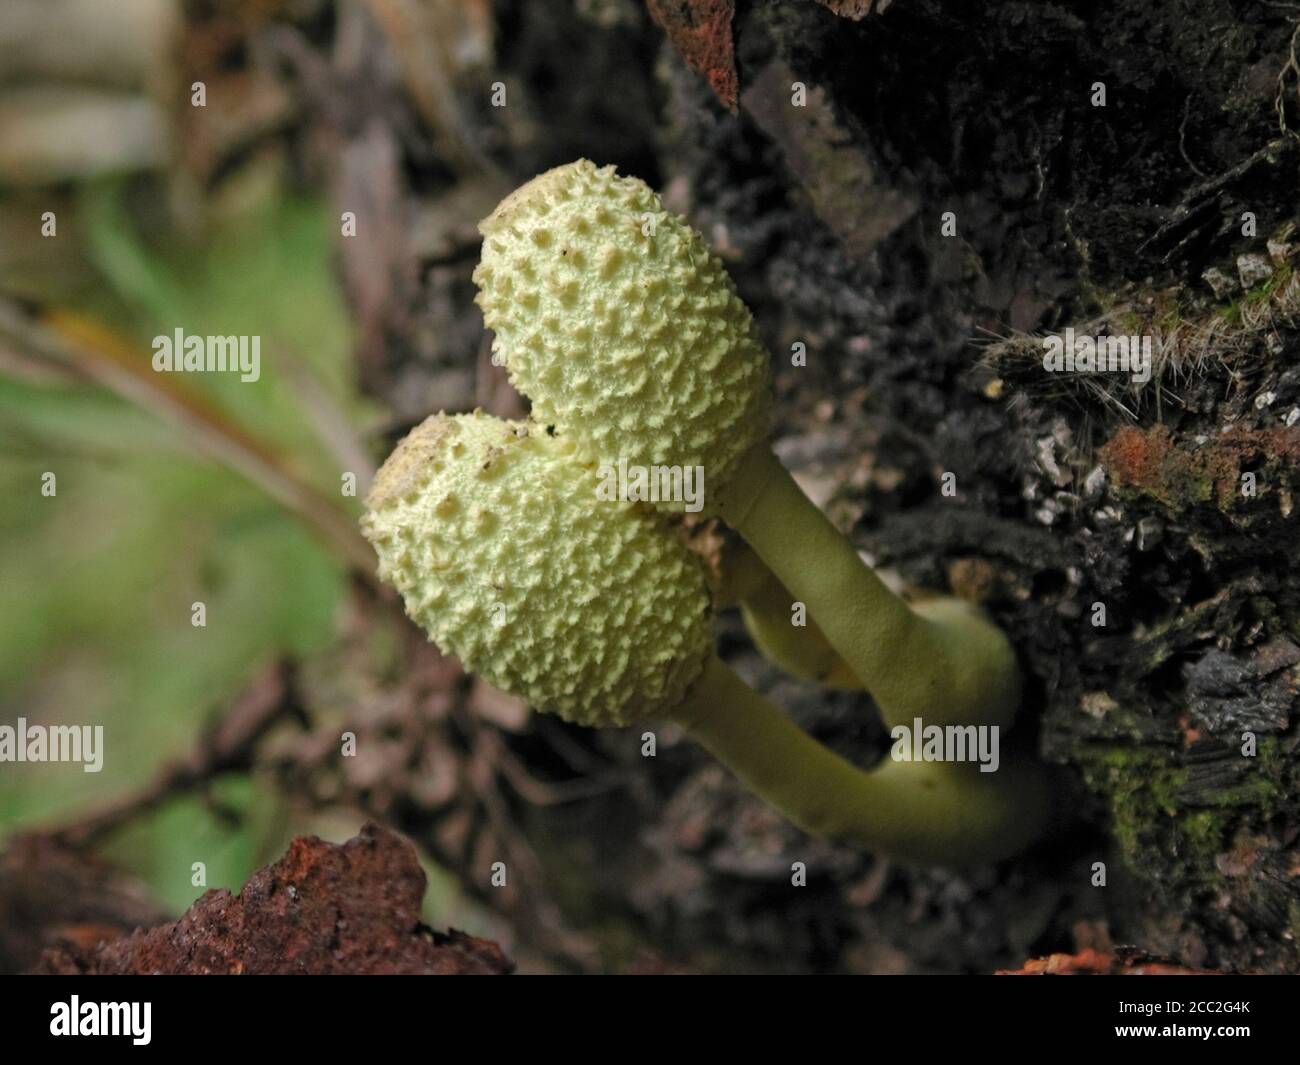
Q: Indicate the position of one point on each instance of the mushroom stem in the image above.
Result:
(942, 658)
(930, 813)
(766, 608)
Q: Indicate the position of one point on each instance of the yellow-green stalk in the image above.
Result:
(593, 610)
(767, 608)
(614, 317)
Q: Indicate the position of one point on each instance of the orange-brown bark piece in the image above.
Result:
(323, 908)
(701, 32)
(1091, 962)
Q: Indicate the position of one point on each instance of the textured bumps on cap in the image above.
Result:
(493, 533)
(620, 325)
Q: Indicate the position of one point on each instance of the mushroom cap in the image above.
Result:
(495, 536)
(623, 328)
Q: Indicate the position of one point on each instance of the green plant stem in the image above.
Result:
(931, 813)
(942, 661)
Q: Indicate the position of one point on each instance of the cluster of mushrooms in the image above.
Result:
(626, 333)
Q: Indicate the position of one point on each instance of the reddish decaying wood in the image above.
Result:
(322, 908)
(701, 31)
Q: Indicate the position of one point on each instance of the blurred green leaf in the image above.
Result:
(99, 580)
